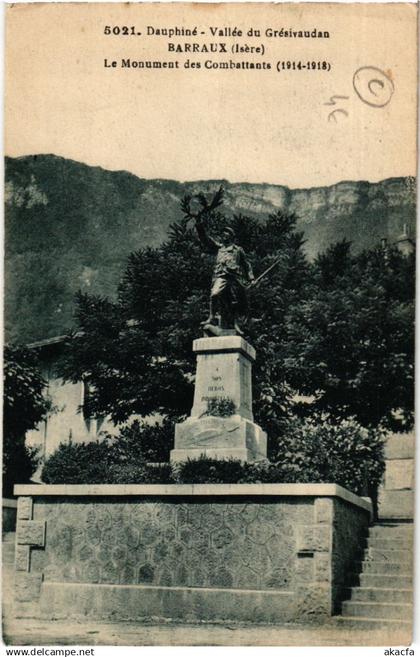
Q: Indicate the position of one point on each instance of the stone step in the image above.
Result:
(390, 543)
(381, 554)
(389, 530)
(356, 622)
(369, 580)
(377, 610)
(384, 567)
(360, 594)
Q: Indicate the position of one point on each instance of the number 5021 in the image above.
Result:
(116, 29)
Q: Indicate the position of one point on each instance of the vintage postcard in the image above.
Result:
(210, 216)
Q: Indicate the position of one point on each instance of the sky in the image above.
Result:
(276, 125)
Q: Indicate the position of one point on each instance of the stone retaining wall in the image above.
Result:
(253, 552)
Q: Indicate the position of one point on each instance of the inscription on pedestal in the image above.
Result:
(216, 388)
(224, 369)
(214, 379)
(223, 375)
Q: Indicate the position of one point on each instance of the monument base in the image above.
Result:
(219, 438)
(224, 374)
(215, 552)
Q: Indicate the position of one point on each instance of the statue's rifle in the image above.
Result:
(259, 278)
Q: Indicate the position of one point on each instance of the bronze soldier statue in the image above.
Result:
(231, 275)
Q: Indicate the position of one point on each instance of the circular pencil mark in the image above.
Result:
(373, 86)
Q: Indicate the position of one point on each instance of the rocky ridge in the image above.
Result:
(70, 226)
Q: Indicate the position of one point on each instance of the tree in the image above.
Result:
(24, 406)
(351, 341)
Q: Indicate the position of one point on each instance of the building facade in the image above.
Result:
(68, 421)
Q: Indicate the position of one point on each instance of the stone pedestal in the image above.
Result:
(224, 371)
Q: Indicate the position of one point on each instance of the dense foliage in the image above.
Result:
(25, 404)
(323, 449)
(138, 452)
(141, 441)
(351, 340)
(101, 462)
(78, 463)
(312, 452)
(337, 332)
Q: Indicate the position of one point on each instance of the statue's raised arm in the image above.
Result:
(206, 240)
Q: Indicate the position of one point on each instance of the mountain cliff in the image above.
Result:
(70, 226)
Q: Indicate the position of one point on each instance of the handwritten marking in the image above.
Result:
(339, 110)
(331, 115)
(332, 99)
(373, 86)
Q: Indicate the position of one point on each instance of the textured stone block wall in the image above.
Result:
(349, 529)
(30, 538)
(208, 543)
(295, 545)
(313, 557)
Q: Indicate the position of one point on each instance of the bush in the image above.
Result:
(322, 449)
(205, 470)
(130, 473)
(143, 442)
(19, 463)
(311, 451)
(78, 463)
(95, 463)
(121, 459)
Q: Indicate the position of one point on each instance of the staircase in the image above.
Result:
(384, 593)
(7, 581)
